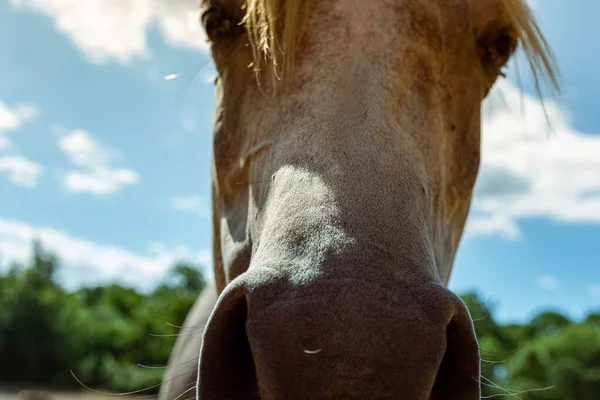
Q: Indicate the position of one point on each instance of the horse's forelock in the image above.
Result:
(276, 27)
(541, 59)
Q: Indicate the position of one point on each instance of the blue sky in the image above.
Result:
(107, 162)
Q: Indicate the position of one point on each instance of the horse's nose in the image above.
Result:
(343, 339)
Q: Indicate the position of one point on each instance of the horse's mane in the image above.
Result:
(275, 28)
(537, 50)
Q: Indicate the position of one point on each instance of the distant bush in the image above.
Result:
(101, 333)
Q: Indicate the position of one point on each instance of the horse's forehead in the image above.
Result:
(374, 20)
(377, 33)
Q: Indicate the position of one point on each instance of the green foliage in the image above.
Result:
(102, 333)
(31, 303)
(546, 324)
(550, 358)
(593, 319)
(189, 277)
(568, 359)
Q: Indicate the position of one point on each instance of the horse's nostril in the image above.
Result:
(226, 369)
(458, 375)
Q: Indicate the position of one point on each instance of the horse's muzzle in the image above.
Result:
(273, 339)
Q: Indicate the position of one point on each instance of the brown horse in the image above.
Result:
(346, 147)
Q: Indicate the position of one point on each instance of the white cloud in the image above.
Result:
(191, 204)
(496, 224)
(95, 174)
(101, 181)
(86, 262)
(531, 168)
(547, 282)
(11, 118)
(108, 30)
(21, 171)
(594, 290)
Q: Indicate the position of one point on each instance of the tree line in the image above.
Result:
(109, 336)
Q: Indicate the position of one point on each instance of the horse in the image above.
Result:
(346, 147)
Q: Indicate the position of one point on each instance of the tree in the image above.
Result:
(593, 319)
(545, 324)
(101, 333)
(189, 277)
(31, 306)
(568, 359)
(42, 272)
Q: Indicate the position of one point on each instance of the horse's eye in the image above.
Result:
(216, 24)
(496, 49)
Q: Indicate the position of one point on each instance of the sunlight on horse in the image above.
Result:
(346, 147)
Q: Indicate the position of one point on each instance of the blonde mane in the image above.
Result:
(275, 28)
(541, 59)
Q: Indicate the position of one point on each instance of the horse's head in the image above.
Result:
(346, 147)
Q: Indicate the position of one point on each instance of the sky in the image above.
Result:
(106, 111)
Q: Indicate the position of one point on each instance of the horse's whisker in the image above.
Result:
(193, 387)
(175, 334)
(166, 366)
(482, 318)
(193, 384)
(123, 393)
(511, 392)
(519, 392)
